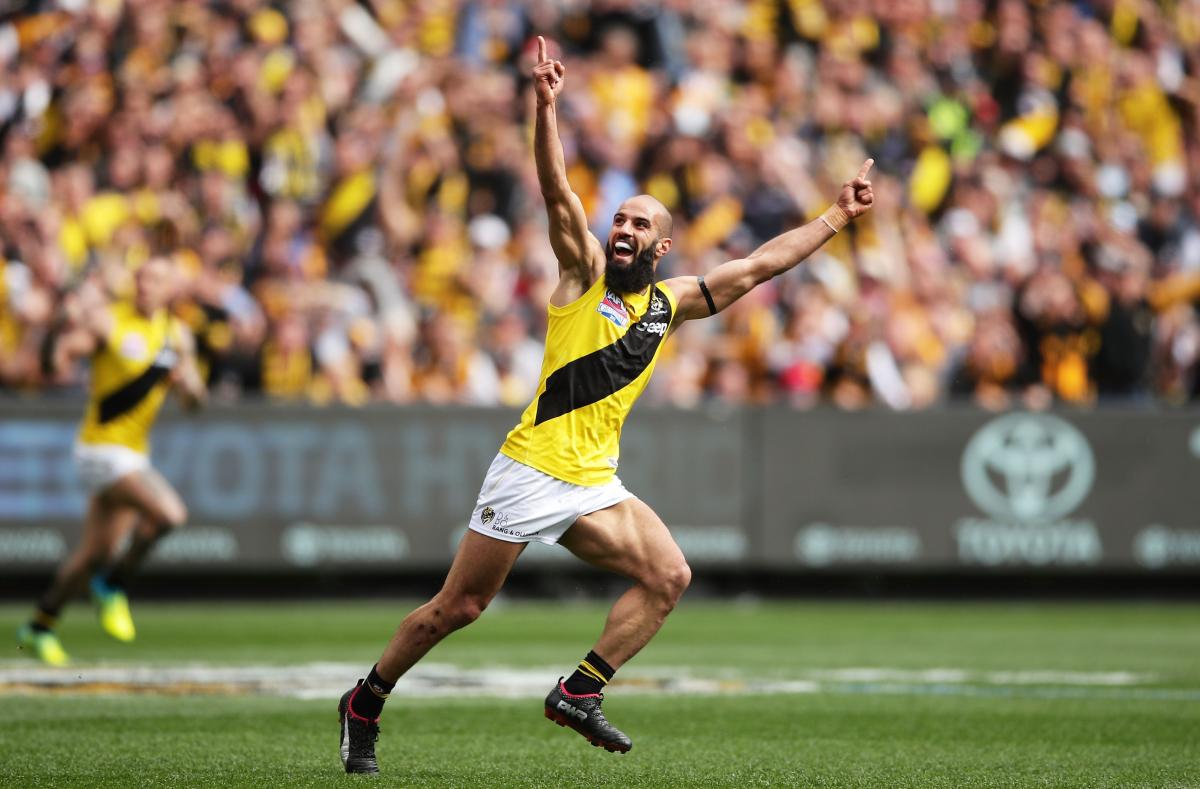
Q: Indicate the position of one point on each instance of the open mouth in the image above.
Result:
(623, 250)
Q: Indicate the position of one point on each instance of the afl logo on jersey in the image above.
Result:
(613, 308)
(133, 347)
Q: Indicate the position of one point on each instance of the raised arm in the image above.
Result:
(580, 256)
(730, 281)
(73, 338)
(185, 376)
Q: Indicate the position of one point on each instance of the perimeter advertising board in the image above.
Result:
(299, 488)
(961, 489)
(273, 488)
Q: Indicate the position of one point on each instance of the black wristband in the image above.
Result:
(712, 308)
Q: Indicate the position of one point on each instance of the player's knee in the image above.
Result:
(679, 578)
(671, 581)
(172, 515)
(464, 610)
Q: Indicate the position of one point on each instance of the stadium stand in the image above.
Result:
(350, 190)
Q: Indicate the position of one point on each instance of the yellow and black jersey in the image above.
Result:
(129, 378)
(600, 352)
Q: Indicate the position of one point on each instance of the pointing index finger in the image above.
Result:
(542, 50)
(866, 168)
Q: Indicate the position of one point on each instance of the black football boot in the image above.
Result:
(358, 736)
(583, 714)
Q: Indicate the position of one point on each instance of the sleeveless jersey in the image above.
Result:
(129, 378)
(600, 352)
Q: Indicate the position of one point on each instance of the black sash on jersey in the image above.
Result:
(126, 398)
(589, 379)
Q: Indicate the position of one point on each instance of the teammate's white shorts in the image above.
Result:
(521, 504)
(100, 465)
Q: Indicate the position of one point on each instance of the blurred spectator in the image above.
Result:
(351, 189)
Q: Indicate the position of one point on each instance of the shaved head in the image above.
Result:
(657, 211)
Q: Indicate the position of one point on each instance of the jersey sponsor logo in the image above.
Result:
(613, 308)
(167, 358)
(658, 327)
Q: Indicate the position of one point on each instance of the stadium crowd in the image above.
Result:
(348, 189)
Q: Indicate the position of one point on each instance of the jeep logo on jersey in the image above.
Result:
(658, 327)
(1028, 468)
(613, 308)
(487, 515)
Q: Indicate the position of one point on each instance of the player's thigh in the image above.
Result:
(480, 567)
(148, 492)
(627, 538)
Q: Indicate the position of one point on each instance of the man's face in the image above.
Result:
(631, 252)
(153, 283)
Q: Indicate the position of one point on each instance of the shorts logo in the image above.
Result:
(613, 308)
(488, 515)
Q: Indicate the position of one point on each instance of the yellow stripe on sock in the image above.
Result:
(590, 670)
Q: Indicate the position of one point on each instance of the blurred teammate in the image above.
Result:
(554, 479)
(138, 351)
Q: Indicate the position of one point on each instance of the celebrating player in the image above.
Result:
(554, 479)
(138, 351)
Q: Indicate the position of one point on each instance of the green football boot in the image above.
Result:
(44, 644)
(112, 606)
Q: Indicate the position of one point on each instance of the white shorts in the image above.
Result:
(521, 504)
(100, 465)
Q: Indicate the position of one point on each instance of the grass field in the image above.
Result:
(824, 695)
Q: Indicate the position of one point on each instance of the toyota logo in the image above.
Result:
(1028, 468)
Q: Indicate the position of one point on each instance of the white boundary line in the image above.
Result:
(330, 680)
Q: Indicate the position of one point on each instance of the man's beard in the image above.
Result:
(632, 278)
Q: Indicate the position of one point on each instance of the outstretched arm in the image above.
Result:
(730, 281)
(72, 338)
(185, 377)
(577, 250)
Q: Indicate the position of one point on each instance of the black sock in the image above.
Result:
(591, 676)
(374, 691)
(43, 620)
(140, 545)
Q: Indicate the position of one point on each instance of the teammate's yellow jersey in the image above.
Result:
(129, 378)
(600, 352)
